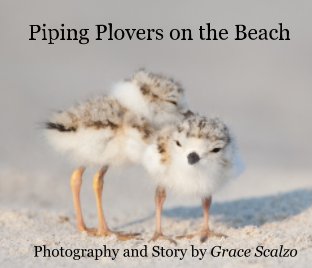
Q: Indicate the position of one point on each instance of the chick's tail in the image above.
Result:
(63, 122)
(59, 127)
(62, 131)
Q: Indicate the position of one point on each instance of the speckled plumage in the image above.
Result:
(166, 159)
(157, 88)
(145, 120)
(205, 128)
(113, 129)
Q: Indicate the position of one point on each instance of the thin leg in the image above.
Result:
(98, 189)
(205, 232)
(75, 183)
(103, 229)
(160, 197)
(206, 204)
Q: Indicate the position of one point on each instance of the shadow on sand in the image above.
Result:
(249, 211)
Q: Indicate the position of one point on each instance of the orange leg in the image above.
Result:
(98, 183)
(205, 232)
(160, 198)
(75, 183)
(103, 229)
(206, 204)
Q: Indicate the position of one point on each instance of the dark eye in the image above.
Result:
(172, 102)
(215, 150)
(178, 143)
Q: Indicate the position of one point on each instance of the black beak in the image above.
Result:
(193, 158)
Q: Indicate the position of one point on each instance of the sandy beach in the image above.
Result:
(258, 219)
(262, 89)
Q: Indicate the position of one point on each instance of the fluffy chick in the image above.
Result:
(114, 130)
(195, 157)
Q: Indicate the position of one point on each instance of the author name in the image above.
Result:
(163, 252)
(259, 251)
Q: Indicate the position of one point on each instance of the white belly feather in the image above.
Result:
(98, 147)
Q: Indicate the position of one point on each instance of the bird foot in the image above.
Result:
(203, 235)
(126, 236)
(106, 233)
(160, 236)
(119, 235)
(88, 231)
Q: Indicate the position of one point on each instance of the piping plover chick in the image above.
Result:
(195, 157)
(114, 130)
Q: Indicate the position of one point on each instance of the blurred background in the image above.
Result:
(262, 89)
